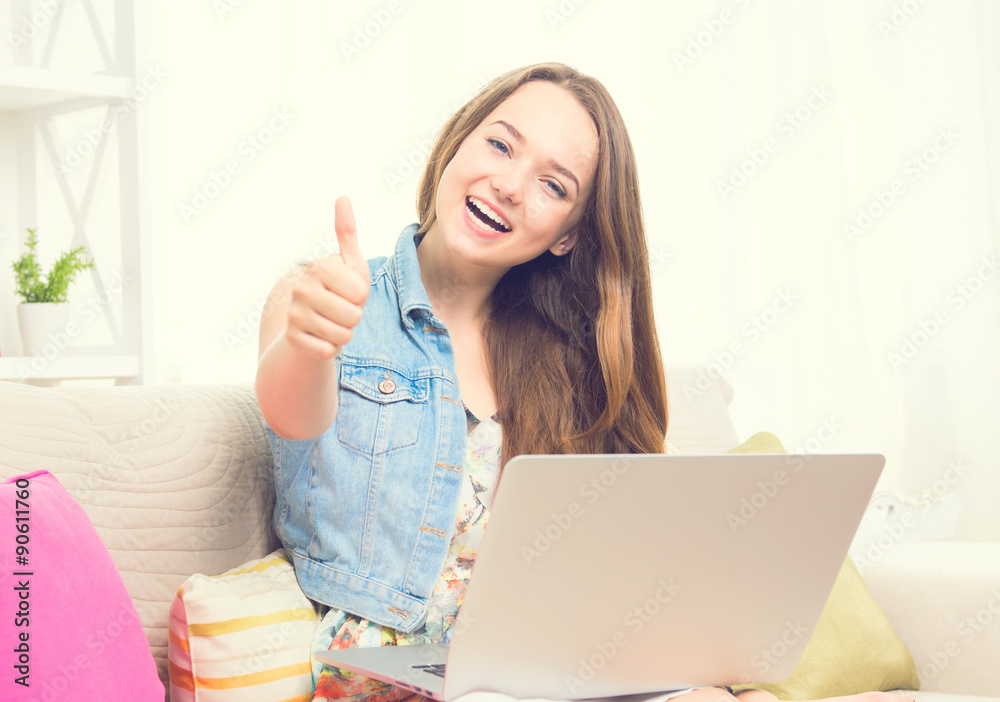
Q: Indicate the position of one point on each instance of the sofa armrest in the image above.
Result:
(943, 598)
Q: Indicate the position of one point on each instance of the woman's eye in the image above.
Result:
(498, 145)
(555, 188)
(502, 148)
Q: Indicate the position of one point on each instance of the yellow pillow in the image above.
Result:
(854, 647)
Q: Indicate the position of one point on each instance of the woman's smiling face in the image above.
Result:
(518, 183)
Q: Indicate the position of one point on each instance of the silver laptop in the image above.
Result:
(611, 575)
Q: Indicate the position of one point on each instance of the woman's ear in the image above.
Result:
(566, 242)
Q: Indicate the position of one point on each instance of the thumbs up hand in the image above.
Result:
(327, 302)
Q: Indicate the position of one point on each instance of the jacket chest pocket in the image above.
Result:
(379, 410)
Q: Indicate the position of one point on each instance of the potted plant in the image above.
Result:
(44, 312)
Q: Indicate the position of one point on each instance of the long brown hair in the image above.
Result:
(570, 340)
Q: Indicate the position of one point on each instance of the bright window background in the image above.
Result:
(882, 115)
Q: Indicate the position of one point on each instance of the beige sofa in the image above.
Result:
(177, 480)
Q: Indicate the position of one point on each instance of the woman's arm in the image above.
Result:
(309, 316)
(296, 391)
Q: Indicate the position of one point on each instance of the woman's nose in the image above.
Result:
(507, 186)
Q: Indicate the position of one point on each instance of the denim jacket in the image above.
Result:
(367, 509)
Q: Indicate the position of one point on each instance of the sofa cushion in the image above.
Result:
(175, 479)
(75, 633)
(698, 411)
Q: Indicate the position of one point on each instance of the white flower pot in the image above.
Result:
(43, 324)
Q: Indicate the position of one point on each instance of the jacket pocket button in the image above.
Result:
(386, 386)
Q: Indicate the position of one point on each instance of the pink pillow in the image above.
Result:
(69, 629)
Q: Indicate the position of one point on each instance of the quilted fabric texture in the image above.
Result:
(175, 479)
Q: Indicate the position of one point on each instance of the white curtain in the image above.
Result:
(846, 157)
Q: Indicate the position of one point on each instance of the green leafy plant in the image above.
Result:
(28, 273)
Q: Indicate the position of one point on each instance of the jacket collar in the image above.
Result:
(404, 269)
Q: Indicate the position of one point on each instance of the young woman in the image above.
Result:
(516, 317)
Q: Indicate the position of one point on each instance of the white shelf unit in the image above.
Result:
(69, 368)
(35, 95)
(26, 88)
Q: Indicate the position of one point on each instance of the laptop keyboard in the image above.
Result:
(432, 668)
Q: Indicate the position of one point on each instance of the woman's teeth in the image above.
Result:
(486, 214)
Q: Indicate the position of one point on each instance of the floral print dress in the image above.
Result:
(339, 629)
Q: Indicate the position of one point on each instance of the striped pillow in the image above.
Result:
(245, 634)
